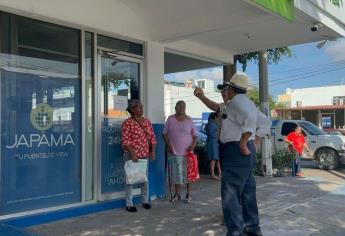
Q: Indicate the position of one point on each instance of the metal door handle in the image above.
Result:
(280, 140)
(313, 141)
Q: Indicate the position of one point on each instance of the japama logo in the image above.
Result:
(41, 117)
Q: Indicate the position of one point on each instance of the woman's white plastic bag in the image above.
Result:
(136, 172)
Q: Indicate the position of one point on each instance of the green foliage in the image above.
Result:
(274, 55)
(253, 95)
(115, 80)
(279, 105)
(337, 3)
(281, 162)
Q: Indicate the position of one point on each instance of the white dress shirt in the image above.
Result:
(241, 117)
(263, 125)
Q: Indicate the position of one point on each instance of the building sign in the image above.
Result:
(274, 113)
(327, 122)
(113, 175)
(40, 141)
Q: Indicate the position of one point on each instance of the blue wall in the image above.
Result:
(157, 190)
(157, 167)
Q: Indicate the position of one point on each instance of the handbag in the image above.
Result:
(136, 172)
(192, 167)
(146, 135)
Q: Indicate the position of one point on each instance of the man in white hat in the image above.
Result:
(239, 123)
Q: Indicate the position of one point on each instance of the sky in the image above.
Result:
(308, 67)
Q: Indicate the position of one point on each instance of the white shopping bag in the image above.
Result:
(136, 172)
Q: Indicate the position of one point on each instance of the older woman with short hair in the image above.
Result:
(180, 136)
(139, 142)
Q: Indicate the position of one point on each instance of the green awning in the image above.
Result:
(284, 8)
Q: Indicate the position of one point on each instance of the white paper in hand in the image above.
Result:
(136, 172)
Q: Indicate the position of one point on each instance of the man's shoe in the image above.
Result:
(147, 206)
(131, 209)
(255, 233)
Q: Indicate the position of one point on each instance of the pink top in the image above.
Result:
(180, 133)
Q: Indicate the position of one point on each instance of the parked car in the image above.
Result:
(326, 150)
(201, 138)
(335, 131)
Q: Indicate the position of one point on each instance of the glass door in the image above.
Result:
(118, 82)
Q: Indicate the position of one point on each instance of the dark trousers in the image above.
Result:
(239, 191)
(296, 164)
(220, 149)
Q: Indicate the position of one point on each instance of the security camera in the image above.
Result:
(314, 28)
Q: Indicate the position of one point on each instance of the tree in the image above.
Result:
(337, 3)
(253, 95)
(279, 105)
(274, 55)
(116, 79)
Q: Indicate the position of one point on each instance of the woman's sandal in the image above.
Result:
(214, 177)
(176, 197)
(188, 198)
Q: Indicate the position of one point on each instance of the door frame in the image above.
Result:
(104, 52)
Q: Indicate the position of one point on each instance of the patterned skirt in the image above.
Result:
(177, 169)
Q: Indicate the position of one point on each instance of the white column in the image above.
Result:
(153, 83)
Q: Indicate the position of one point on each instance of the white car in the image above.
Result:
(328, 151)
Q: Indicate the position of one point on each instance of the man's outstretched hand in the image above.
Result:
(198, 92)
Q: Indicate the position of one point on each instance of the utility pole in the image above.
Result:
(264, 105)
(230, 70)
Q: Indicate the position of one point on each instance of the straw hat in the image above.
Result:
(238, 80)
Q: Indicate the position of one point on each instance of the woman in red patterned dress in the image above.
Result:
(139, 142)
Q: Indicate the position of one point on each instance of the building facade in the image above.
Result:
(64, 94)
(68, 69)
(174, 92)
(323, 106)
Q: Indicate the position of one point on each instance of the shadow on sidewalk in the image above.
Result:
(288, 206)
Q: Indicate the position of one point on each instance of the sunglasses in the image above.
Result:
(224, 89)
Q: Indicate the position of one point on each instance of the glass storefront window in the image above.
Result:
(120, 45)
(120, 80)
(40, 114)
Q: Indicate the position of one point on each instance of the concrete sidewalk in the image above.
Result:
(314, 205)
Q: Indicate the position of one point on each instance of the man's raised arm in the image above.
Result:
(199, 93)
